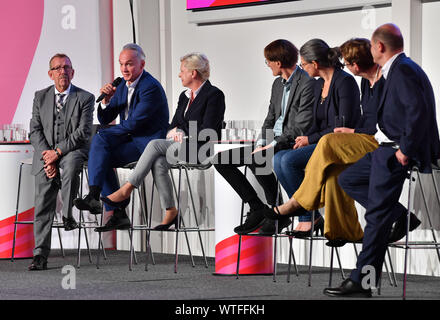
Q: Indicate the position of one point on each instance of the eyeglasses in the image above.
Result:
(302, 65)
(266, 62)
(58, 69)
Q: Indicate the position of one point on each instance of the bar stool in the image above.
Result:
(185, 166)
(334, 249)
(87, 224)
(275, 236)
(145, 225)
(407, 245)
(56, 224)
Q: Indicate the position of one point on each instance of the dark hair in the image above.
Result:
(358, 50)
(59, 55)
(390, 35)
(283, 51)
(319, 51)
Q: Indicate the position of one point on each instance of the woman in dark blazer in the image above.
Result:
(201, 107)
(336, 105)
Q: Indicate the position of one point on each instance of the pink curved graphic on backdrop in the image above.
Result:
(20, 28)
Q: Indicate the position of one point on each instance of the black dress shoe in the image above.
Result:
(268, 228)
(88, 203)
(118, 221)
(318, 227)
(120, 205)
(69, 224)
(163, 227)
(38, 263)
(274, 214)
(254, 220)
(348, 288)
(340, 242)
(399, 229)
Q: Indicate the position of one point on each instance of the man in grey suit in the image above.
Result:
(290, 115)
(60, 130)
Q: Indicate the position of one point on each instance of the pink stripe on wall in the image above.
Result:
(193, 4)
(20, 28)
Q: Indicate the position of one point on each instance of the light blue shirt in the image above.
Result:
(278, 127)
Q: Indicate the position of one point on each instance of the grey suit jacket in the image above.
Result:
(78, 123)
(299, 110)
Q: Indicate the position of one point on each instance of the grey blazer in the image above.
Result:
(78, 123)
(299, 110)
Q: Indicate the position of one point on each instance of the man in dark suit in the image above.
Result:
(60, 130)
(289, 116)
(198, 119)
(140, 102)
(376, 180)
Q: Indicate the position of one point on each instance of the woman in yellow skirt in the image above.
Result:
(335, 152)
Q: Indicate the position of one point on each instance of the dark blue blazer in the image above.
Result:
(406, 112)
(343, 99)
(148, 113)
(207, 110)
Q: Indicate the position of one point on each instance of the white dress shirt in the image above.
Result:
(380, 136)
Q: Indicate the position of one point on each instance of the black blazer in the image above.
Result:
(406, 112)
(207, 111)
(299, 110)
(343, 99)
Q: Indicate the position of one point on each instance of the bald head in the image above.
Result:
(389, 34)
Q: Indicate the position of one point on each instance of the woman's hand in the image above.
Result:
(301, 141)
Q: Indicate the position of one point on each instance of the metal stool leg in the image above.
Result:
(311, 248)
(16, 212)
(340, 265)
(427, 211)
(195, 218)
(239, 237)
(331, 268)
(178, 221)
(275, 237)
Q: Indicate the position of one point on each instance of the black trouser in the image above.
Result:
(228, 168)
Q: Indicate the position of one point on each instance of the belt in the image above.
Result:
(390, 145)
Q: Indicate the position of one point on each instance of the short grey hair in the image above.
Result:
(199, 62)
(133, 46)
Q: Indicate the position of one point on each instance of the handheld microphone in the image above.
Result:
(115, 83)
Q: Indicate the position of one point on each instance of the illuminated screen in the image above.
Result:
(206, 4)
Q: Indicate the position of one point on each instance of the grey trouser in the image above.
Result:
(157, 156)
(46, 191)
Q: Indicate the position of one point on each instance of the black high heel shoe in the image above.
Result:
(120, 205)
(317, 228)
(274, 213)
(164, 227)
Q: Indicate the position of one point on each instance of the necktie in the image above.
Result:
(191, 99)
(60, 101)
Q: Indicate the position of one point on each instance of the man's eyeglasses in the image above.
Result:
(302, 65)
(58, 69)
